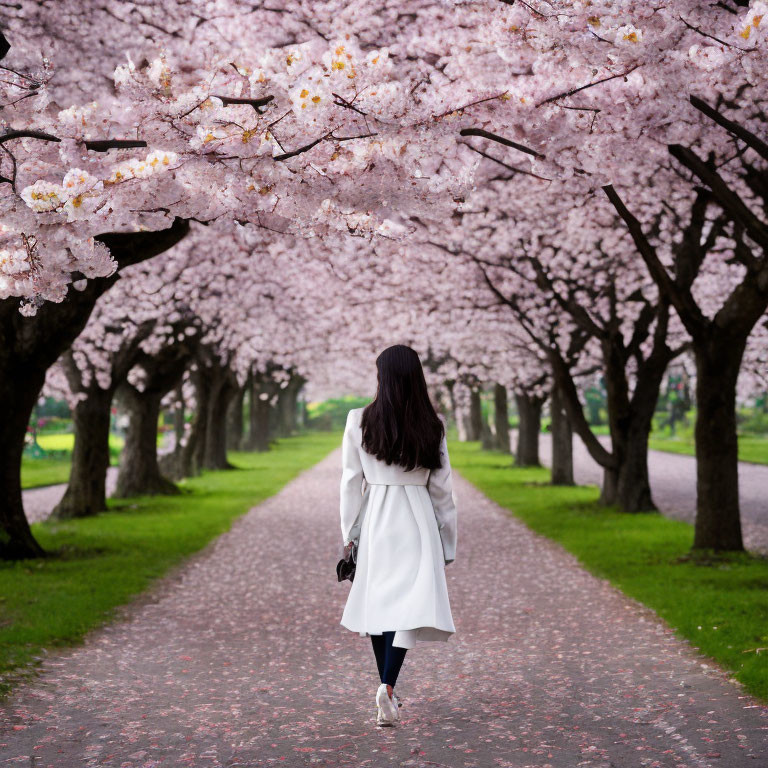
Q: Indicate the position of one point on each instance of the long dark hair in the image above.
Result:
(401, 426)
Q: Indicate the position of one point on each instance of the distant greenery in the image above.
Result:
(720, 604)
(52, 408)
(101, 562)
(66, 442)
(332, 414)
(54, 468)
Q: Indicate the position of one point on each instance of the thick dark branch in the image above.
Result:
(587, 85)
(95, 145)
(742, 254)
(730, 202)
(132, 247)
(342, 102)
(102, 145)
(300, 150)
(561, 372)
(352, 138)
(8, 135)
(641, 327)
(706, 34)
(512, 168)
(500, 139)
(739, 131)
(257, 104)
(691, 252)
(570, 305)
(682, 300)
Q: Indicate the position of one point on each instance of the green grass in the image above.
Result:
(752, 449)
(65, 441)
(48, 471)
(51, 470)
(719, 604)
(101, 562)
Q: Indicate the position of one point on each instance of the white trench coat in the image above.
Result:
(405, 527)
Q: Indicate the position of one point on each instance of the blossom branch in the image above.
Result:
(737, 130)
(483, 134)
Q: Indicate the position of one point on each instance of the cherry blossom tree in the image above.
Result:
(327, 123)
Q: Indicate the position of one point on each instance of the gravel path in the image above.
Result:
(673, 484)
(39, 502)
(238, 659)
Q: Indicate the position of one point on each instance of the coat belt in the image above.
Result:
(422, 484)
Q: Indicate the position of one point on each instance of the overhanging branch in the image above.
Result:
(682, 300)
(300, 150)
(483, 134)
(739, 131)
(257, 104)
(730, 202)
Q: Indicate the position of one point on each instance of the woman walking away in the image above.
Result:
(397, 506)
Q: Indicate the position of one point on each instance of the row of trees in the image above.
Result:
(526, 194)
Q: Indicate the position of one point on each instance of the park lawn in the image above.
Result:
(52, 470)
(99, 563)
(752, 449)
(65, 441)
(719, 605)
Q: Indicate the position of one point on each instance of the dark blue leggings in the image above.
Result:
(389, 658)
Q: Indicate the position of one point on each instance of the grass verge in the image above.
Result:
(99, 563)
(54, 469)
(751, 449)
(49, 470)
(720, 604)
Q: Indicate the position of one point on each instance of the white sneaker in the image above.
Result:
(397, 704)
(380, 719)
(387, 707)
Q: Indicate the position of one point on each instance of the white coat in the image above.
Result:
(405, 527)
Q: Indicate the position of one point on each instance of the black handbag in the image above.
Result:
(345, 568)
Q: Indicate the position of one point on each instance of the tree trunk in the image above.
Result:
(625, 466)
(287, 406)
(487, 438)
(139, 469)
(235, 421)
(190, 463)
(562, 441)
(17, 398)
(258, 416)
(204, 391)
(279, 420)
(292, 405)
(462, 423)
(456, 412)
(630, 419)
(633, 488)
(529, 412)
(172, 465)
(501, 418)
(28, 347)
(626, 485)
(139, 473)
(718, 520)
(475, 426)
(86, 491)
(179, 421)
(215, 450)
